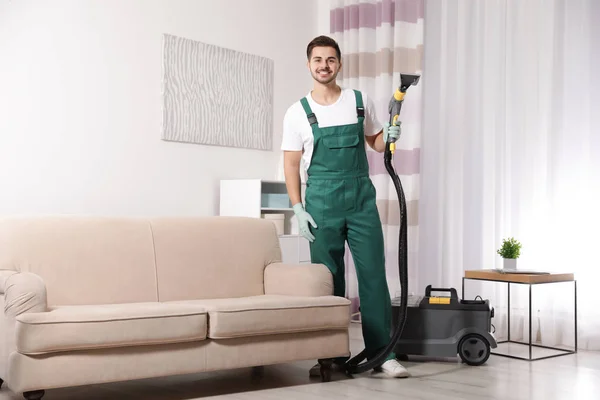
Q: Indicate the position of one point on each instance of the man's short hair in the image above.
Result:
(323, 41)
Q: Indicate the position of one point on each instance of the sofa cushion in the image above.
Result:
(83, 260)
(212, 257)
(274, 314)
(100, 326)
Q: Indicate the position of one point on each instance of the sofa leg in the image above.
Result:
(326, 370)
(34, 395)
(1, 382)
(257, 373)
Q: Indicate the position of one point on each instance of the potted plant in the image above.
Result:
(510, 251)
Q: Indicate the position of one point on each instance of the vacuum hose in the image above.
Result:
(353, 365)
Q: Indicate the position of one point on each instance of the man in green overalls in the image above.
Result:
(328, 129)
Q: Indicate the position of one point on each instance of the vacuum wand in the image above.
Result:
(396, 101)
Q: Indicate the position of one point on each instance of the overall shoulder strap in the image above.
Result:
(312, 119)
(360, 109)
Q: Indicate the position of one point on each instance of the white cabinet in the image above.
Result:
(256, 198)
(294, 249)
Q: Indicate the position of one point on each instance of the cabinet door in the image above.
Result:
(303, 250)
(289, 249)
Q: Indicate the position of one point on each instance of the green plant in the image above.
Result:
(511, 248)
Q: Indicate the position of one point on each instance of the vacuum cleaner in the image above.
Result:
(439, 326)
(442, 326)
(354, 366)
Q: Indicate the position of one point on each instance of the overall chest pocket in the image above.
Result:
(340, 141)
(341, 152)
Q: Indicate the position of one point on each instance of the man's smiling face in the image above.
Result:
(324, 64)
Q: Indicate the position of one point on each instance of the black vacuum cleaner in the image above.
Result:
(442, 326)
(438, 326)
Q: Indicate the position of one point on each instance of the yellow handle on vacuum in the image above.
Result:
(395, 111)
(393, 144)
(398, 95)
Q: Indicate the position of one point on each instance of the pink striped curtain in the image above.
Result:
(379, 40)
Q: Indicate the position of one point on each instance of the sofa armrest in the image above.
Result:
(24, 292)
(4, 274)
(298, 280)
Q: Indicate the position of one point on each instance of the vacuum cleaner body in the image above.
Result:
(446, 326)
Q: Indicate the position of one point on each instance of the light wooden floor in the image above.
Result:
(569, 377)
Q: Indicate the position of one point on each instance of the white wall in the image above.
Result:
(80, 104)
(323, 18)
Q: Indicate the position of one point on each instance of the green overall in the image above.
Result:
(340, 197)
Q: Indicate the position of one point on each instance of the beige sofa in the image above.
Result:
(92, 300)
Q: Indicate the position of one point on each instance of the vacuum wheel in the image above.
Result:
(474, 349)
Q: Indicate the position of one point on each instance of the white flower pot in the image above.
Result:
(510, 263)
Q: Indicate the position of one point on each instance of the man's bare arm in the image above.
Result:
(291, 168)
(376, 142)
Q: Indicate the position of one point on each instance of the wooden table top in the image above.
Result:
(493, 275)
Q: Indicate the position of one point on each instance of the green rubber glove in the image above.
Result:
(391, 131)
(304, 219)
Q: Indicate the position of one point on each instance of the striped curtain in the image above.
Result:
(379, 40)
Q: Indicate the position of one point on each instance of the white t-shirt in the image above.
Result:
(297, 132)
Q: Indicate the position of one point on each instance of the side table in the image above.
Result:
(530, 280)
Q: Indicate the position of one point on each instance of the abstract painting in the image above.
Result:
(216, 96)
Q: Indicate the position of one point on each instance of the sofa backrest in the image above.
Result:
(101, 260)
(213, 257)
(83, 260)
